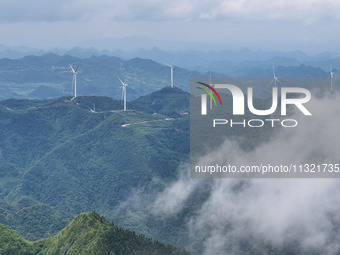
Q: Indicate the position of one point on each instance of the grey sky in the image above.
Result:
(309, 25)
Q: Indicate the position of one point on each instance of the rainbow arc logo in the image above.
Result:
(204, 97)
(209, 93)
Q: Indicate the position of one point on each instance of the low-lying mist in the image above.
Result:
(254, 215)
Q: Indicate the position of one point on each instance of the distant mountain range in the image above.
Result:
(49, 75)
(218, 61)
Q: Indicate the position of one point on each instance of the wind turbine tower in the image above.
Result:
(74, 82)
(275, 79)
(123, 92)
(172, 72)
(331, 73)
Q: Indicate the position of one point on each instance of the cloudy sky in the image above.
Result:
(309, 25)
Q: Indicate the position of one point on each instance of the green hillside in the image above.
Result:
(91, 234)
(87, 234)
(12, 243)
(59, 158)
(168, 101)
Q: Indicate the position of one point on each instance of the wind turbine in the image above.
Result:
(123, 92)
(275, 79)
(331, 73)
(74, 81)
(172, 72)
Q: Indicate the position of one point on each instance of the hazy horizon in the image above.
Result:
(307, 25)
(20, 51)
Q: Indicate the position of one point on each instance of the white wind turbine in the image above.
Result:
(123, 92)
(331, 73)
(172, 72)
(74, 81)
(275, 79)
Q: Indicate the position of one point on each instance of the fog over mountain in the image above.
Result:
(298, 213)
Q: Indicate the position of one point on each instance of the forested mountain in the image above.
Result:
(87, 234)
(60, 157)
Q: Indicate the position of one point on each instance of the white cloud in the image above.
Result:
(279, 25)
(174, 197)
(35, 10)
(273, 10)
(275, 210)
(42, 10)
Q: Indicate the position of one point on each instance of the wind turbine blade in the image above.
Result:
(331, 73)
(173, 62)
(72, 69)
(120, 80)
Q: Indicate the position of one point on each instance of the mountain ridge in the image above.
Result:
(87, 234)
(73, 158)
(49, 75)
